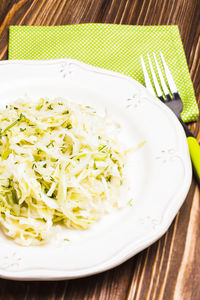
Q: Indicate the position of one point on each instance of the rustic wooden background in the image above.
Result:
(170, 268)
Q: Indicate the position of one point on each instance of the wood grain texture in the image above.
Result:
(170, 268)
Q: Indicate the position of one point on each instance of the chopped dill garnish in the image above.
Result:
(65, 112)
(52, 179)
(9, 183)
(109, 178)
(50, 107)
(69, 126)
(14, 196)
(39, 151)
(67, 165)
(12, 124)
(50, 144)
(102, 147)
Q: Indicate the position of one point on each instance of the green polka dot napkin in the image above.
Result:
(109, 46)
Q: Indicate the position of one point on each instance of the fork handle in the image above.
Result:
(194, 149)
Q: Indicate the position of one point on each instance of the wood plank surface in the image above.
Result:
(170, 268)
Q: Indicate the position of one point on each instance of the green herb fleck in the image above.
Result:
(12, 124)
(65, 112)
(14, 196)
(52, 179)
(22, 129)
(67, 165)
(109, 178)
(53, 196)
(34, 166)
(50, 144)
(101, 147)
(69, 126)
(9, 183)
(39, 151)
(50, 107)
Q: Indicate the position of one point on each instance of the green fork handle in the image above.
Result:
(194, 149)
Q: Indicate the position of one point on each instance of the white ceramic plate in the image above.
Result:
(160, 170)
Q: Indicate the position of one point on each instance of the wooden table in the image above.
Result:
(170, 268)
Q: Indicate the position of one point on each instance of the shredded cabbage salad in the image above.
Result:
(60, 164)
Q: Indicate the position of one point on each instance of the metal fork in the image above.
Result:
(173, 100)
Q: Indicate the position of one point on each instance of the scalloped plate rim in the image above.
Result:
(161, 229)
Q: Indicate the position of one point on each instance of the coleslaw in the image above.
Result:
(60, 164)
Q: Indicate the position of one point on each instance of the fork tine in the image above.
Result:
(162, 80)
(168, 74)
(146, 78)
(157, 86)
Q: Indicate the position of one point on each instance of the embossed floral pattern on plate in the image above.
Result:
(154, 172)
